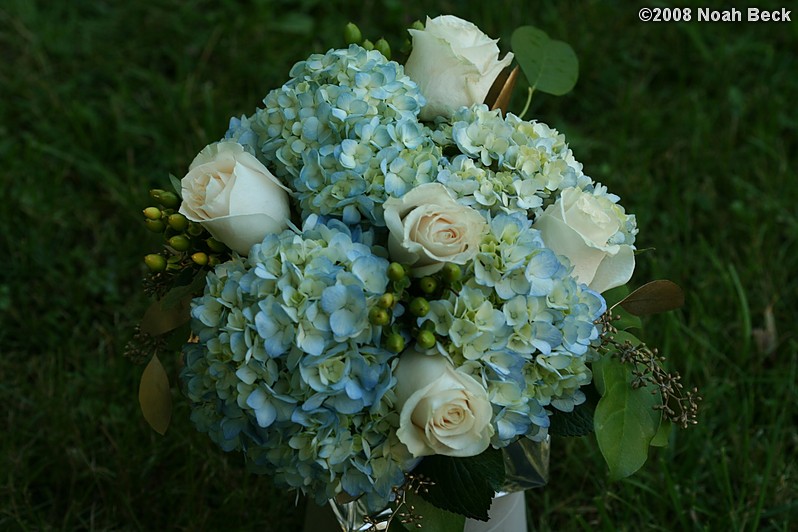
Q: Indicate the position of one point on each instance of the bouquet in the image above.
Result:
(382, 282)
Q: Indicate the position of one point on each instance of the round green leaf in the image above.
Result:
(625, 420)
(549, 65)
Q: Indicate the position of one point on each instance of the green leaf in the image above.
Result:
(155, 396)
(550, 66)
(176, 185)
(578, 422)
(663, 434)
(464, 485)
(432, 517)
(625, 420)
(654, 297)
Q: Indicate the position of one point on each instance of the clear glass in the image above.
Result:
(526, 464)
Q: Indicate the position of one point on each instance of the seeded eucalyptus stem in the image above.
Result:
(679, 406)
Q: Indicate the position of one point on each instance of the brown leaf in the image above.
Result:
(155, 396)
(502, 89)
(653, 297)
(159, 319)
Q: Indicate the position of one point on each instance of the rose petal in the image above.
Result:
(241, 232)
(614, 270)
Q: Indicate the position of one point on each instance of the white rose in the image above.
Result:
(442, 411)
(234, 196)
(454, 64)
(579, 225)
(428, 228)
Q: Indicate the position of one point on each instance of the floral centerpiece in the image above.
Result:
(391, 281)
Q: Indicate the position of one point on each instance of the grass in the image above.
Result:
(694, 125)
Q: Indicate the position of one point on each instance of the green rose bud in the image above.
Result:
(417, 25)
(368, 45)
(156, 263)
(352, 34)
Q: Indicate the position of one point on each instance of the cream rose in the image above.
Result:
(454, 64)
(580, 226)
(429, 228)
(442, 411)
(234, 196)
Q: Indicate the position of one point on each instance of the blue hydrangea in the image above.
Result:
(522, 325)
(288, 368)
(344, 133)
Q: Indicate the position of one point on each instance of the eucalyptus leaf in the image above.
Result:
(625, 420)
(464, 485)
(622, 319)
(654, 297)
(663, 434)
(549, 65)
(155, 397)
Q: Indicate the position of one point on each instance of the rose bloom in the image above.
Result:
(442, 411)
(454, 64)
(579, 225)
(234, 196)
(429, 228)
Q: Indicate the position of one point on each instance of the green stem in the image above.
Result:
(528, 100)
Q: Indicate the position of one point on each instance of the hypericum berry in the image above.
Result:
(425, 339)
(419, 307)
(379, 316)
(214, 245)
(386, 300)
(178, 222)
(428, 284)
(179, 243)
(396, 272)
(156, 226)
(200, 258)
(352, 34)
(156, 263)
(395, 343)
(152, 213)
(451, 272)
(170, 200)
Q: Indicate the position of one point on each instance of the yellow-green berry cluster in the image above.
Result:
(187, 245)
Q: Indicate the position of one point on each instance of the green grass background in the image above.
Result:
(693, 124)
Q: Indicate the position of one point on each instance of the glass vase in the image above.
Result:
(526, 465)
